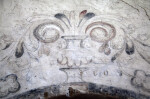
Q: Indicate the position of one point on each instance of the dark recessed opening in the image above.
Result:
(85, 96)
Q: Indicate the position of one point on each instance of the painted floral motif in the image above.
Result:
(9, 84)
(141, 80)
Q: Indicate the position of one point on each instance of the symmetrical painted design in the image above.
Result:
(79, 46)
(75, 47)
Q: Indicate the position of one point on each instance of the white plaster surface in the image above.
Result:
(56, 51)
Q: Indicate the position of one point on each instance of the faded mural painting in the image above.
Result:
(96, 50)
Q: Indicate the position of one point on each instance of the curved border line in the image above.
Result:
(91, 88)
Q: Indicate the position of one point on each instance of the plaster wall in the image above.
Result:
(74, 43)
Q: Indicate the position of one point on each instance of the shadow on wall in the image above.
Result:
(75, 94)
(84, 96)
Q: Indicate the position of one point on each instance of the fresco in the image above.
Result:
(61, 43)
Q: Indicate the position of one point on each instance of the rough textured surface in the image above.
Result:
(78, 88)
(60, 42)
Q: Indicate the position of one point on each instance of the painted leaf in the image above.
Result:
(113, 58)
(86, 17)
(82, 14)
(19, 50)
(117, 55)
(7, 46)
(61, 17)
(89, 15)
(130, 48)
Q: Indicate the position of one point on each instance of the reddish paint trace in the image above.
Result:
(113, 32)
(82, 13)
